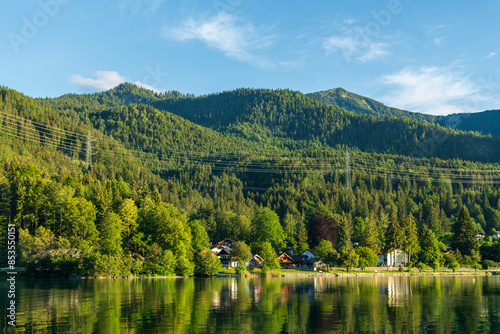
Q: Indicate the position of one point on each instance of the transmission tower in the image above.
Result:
(89, 150)
(348, 171)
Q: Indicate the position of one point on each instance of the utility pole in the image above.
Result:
(348, 171)
(89, 150)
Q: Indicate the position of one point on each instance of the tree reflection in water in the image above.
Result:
(270, 305)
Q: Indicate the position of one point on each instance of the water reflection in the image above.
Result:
(272, 305)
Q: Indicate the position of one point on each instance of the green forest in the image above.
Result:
(129, 182)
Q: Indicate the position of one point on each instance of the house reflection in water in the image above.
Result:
(398, 291)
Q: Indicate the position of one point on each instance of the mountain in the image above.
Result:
(363, 105)
(290, 119)
(128, 182)
(486, 122)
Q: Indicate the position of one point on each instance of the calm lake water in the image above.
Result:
(272, 305)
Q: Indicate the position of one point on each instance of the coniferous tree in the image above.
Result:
(394, 234)
(371, 236)
(410, 240)
(430, 251)
(344, 234)
(464, 238)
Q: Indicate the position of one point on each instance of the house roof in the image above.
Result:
(256, 257)
(226, 241)
(299, 258)
(224, 251)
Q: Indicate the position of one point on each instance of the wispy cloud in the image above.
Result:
(105, 80)
(434, 90)
(226, 33)
(356, 48)
(493, 54)
(438, 34)
(146, 7)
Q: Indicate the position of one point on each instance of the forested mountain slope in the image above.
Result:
(363, 105)
(155, 175)
(486, 122)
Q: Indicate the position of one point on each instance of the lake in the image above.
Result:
(392, 304)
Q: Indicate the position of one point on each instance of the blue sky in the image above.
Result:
(426, 56)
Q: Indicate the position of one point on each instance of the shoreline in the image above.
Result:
(361, 274)
(285, 275)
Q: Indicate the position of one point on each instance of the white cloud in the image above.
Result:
(105, 80)
(357, 47)
(224, 32)
(434, 90)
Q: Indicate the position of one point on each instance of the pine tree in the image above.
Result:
(410, 241)
(430, 253)
(344, 234)
(370, 237)
(464, 238)
(394, 234)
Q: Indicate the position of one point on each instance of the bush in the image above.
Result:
(206, 263)
(487, 264)
(454, 266)
(421, 266)
(159, 262)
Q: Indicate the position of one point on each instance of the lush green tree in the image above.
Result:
(370, 237)
(302, 238)
(324, 249)
(301, 248)
(410, 235)
(430, 250)
(128, 214)
(454, 266)
(269, 258)
(241, 253)
(199, 237)
(367, 257)
(348, 258)
(206, 263)
(159, 262)
(266, 227)
(421, 266)
(184, 266)
(394, 237)
(111, 228)
(79, 217)
(464, 238)
(345, 232)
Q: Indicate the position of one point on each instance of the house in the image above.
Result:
(226, 259)
(393, 258)
(255, 262)
(286, 261)
(309, 253)
(479, 236)
(226, 243)
(289, 248)
(302, 260)
(496, 234)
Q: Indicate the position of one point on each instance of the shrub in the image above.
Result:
(421, 266)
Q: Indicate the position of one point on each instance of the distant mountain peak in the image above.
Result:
(363, 105)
